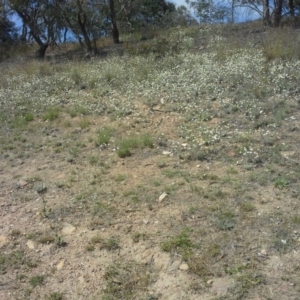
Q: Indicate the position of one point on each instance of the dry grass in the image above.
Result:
(179, 164)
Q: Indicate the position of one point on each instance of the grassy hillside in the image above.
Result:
(168, 172)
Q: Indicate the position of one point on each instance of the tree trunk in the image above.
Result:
(40, 53)
(114, 26)
(292, 11)
(23, 37)
(292, 8)
(81, 19)
(266, 12)
(277, 12)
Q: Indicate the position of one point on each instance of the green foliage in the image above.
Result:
(225, 220)
(246, 207)
(281, 182)
(51, 113)
(159, 46)
(84, 123)
(209, 12)
(28, 117)
(90, 247)
(281, 45)
(15, 232)
(78, 110)
(146, 140)
(111, 243)
(55, 296)
(37, 280)
(120, 177)
(93, 160)
(24, 119)
(11, 260)
(104, 136)
(76, 76)
(138, 236)
(134, 142)
(181, 243)
(47, 239)
(127, 280)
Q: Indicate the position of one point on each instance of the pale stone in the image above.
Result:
(81, 279)
(264, 252)
(68, 229)
(60, 265)
(167, 153)
(287, 154)
(22, 183)
(162, 197)
(30, 244)
(184, 267)
(3, 241)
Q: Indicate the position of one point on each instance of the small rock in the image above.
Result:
(22, 183)
(30, 244)
(264, 252)
(60, 265)
(287, 154)
(68, 229)
(81, 279)
(184, 267)
(13, 209)
(117, 281)
(145, 222)
(209, 282)
(162, 197)
(167, 153)
(3, 241)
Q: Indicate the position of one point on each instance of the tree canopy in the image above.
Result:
(51, 21)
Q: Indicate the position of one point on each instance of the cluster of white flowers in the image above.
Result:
(197, 84)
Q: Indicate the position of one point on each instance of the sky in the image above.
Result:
(178, 2)
(241, 16)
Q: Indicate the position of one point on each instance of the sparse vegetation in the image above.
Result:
(131, 143)
(37, 280)
(111, 243)
(51, 114)
(104, 136)
(182, 154)
(181, 243)
(55, 296)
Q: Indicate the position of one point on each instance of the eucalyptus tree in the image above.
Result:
(113, 20)
(272, 12)
(142, 13)
(8, 30)
(210, 11)
(90, 19)
(41, 18)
